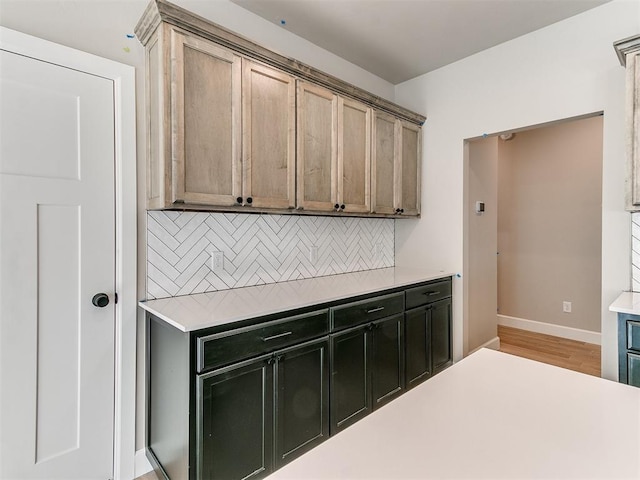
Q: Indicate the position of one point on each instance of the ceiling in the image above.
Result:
(401, 39)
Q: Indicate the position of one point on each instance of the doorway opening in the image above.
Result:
(533, 237)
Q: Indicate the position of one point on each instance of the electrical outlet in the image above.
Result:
(313, 254)
(217, 261)
(566, 307)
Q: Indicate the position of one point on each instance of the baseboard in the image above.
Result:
(551, 329)
(493, 344)
(141, 465)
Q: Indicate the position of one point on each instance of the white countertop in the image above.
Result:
(627, 302)
(490, 416)
(203, 310)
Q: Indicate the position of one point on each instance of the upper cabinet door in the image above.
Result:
(408, 175)
(317, 148)
(205, 122)
(269, 106)
(383, 161)
(354, 156)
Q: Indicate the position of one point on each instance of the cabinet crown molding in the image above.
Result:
(626, 46)
(159, 11)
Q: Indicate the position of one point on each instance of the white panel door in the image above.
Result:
(57, 249)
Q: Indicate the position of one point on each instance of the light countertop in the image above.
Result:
(627, 302)
(490, 416)
(213, 309)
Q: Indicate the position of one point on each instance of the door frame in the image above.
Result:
(123, 77)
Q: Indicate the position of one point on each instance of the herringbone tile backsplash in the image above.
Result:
(635, 251)
(258, 249)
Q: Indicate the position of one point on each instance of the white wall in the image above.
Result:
(565, 70)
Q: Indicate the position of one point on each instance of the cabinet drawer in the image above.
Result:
(228, 347)
(428, 293)
(366, 310)
(633, 335)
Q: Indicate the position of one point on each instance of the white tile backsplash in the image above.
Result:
(258, 249)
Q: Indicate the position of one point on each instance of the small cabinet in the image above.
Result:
(302, 399)
(268, 133)
(194, 136)
(367, 366)
(235, 421)
(628, 51)
(241, 434)
(395, 170)
(334, 151)
(629, 349)
(428, 333)
(222, 128)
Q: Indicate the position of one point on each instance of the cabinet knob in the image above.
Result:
(249, 200)
(402, 210)
(342, 207)
(239, 200)
(397, 210)
(336, 206)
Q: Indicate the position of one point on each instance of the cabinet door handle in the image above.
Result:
(272, 337)
(373, 310)
(430, 294)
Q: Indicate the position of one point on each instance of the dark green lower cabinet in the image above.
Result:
(418, 345)
(350, 390)
(366, 371)
(387, 340)
(258, 415)
(302, 405)
(441, 335)
(633, 369)
(236, 422)
(629, 349)
(428, 342)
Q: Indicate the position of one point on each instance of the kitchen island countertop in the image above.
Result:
(489, 416)
(627, 302)
(215, 309)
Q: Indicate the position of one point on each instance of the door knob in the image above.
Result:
(100, 300)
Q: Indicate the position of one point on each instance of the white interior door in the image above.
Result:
(57, 249)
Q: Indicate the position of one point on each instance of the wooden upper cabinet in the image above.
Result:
(317, 148)
(269, 129)
(628, 51)
(354, 156)
(383, 164)
(409, 139)
(194, 110)
(334, 151)
(233, 126)
(395, 169)
(206, 121)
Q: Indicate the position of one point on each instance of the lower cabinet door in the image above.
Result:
(234, 424)
(441, 339)
(633, 369)
(302, 402)
(350, 374)
(417, 328)
(387, 377)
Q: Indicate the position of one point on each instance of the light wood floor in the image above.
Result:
(579, 356)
